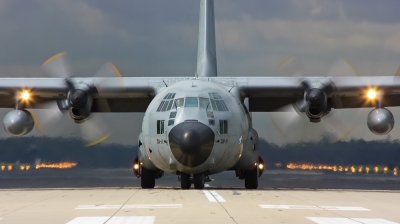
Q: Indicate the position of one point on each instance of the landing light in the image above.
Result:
(136, 166)
(260, 166)
(25, 95)
(371, 94)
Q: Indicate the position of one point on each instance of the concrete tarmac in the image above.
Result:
(108, 196)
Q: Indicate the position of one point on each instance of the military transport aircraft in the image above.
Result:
(196, 126)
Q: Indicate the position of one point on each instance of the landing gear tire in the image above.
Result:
(251, 179)
(147, 180)
(185, 181)
(199, 180)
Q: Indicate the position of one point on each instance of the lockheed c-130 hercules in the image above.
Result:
(197, 126)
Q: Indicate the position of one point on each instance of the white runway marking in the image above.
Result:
(375, 221)
(312, 207)
(217, 196)
(94, 207)
(209, 196)
(213, 196)
(325, 220)
(114, 220)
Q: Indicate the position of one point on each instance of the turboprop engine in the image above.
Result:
(314, 102)
(380, 121)
(18, 122)
(79, 101)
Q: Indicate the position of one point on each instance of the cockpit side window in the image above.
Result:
(166, 104)
(204, 103)
(217, 102)
(179, 102)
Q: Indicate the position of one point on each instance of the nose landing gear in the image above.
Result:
(198, 180)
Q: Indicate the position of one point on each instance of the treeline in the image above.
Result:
(355, 152)
(31, 149)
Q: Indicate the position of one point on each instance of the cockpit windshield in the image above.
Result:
(192, 102)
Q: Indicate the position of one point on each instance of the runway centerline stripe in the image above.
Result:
(209, 196)
(213, 196)
(312, 207)
(327, 220)
(217, 196)
(114, 220)
(101, 207)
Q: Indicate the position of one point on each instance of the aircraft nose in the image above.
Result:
(191, 143)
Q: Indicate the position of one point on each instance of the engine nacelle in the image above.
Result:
(80, 102)
(380, 121)
(18, 122)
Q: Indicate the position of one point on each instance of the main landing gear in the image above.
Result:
(147, 177)
(250, 177)
(197, 179)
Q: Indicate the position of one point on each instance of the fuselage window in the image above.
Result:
(211, 122)
(167, 102)
(217, 102)
(161, 105)
(167, 96)
(172, 96)
(172, 114)
(170, 105)
(192, 102)
(223, 126)
(160, 126)
(171, 122)
(164, 108)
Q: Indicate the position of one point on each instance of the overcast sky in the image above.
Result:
(159, 38)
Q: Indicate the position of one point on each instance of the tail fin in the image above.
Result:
(206, 52)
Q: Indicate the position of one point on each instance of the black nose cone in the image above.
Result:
(191, 143)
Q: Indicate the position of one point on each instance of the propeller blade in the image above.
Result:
(94, 130)
(291, 66)
(57, 66)
(341, 129)
(342, 67)
(48, 115)
(285, 118)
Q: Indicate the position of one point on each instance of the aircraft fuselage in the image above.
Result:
(196, 126)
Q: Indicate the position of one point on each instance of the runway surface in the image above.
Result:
(112, 196)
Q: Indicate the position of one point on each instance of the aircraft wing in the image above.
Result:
(267, 94)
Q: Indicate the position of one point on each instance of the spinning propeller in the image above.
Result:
(79, 100)
(311, 114)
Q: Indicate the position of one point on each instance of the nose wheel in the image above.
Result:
(198, 180)
(185, 181)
